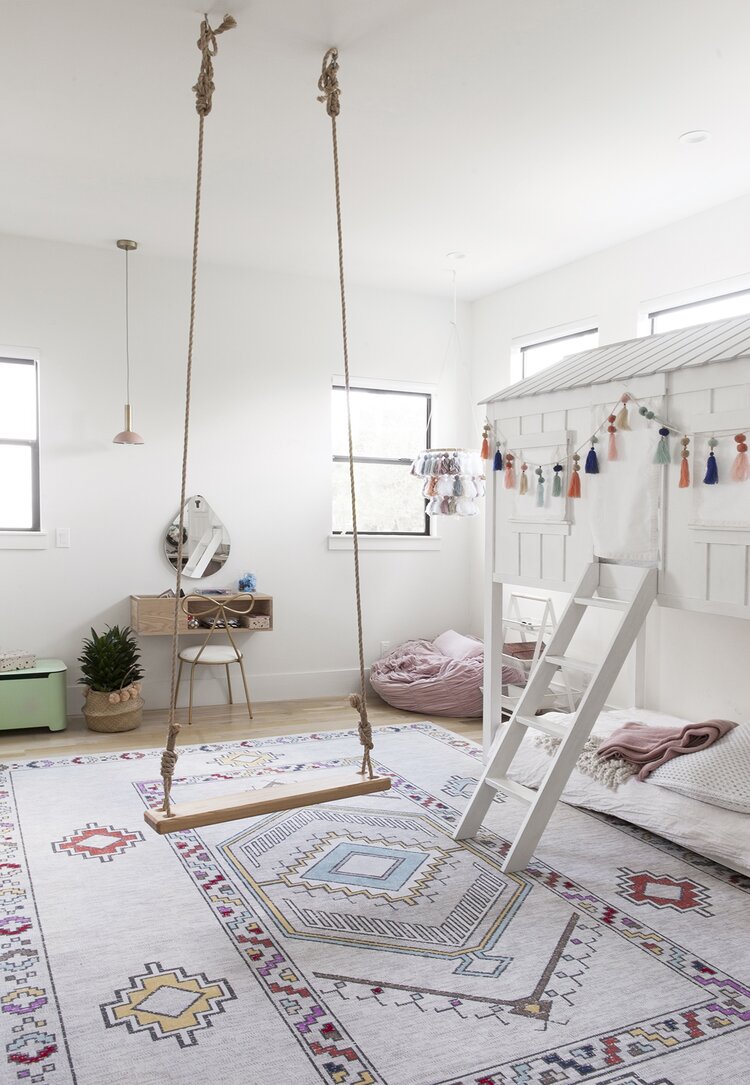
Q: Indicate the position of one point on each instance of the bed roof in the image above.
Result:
(719, 341)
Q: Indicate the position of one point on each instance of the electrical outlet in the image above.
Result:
(62, 536)
(385, 647)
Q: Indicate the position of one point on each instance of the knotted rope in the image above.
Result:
(328, 85)
(204, 89)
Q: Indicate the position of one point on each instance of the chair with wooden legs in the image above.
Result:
(217, 612)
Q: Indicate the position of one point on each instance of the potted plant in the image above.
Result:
(110, 665)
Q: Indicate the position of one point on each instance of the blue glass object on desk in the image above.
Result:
(248, 582)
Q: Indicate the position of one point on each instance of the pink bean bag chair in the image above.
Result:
(420, 676)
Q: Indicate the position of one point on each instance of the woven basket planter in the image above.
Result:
(101, 715)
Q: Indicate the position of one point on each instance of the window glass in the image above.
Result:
(539, 356)
(701, 312)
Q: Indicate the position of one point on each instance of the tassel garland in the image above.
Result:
(684, 466)
(612, 430)
(662, 449)
(498, 461)
(510, 474)
(539, 488)
(712, 470)
(523, 486)
(741, 466)
(592, 463)
(622, 419)
(557, 484)
(574, 489)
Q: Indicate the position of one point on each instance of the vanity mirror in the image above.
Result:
(205, 543)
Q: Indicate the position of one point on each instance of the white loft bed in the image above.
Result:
(698, 539)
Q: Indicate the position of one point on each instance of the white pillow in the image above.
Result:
(456, 646)
(719, 775)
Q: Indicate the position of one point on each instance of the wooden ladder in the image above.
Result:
(494, 777)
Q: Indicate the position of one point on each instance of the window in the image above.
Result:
(389, 428)
(538, 356)
(19, 445)
(700, 312)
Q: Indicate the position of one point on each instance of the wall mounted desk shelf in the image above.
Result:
(153, 616)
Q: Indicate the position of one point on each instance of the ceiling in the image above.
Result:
(524, 133)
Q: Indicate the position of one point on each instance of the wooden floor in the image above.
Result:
(219, 723)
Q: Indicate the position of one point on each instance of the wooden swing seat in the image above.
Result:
(334, 784)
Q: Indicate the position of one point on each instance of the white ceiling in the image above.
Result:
(525, 133)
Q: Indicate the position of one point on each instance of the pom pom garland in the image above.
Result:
(498, 461)
(623, 421)
(486, 434)
(540, 488)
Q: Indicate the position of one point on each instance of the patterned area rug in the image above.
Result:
(354, 943)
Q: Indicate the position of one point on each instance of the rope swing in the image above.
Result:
(330, 94)
(336, 784)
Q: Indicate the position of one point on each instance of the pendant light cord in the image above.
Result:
(127, 328)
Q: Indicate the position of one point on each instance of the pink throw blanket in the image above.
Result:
(648, 747)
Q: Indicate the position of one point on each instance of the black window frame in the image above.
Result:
(546, 343)
(27, 443)
(339, 458)
(694, 305)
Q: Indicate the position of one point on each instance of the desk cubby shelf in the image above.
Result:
(153, 616)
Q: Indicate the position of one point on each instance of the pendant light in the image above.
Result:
(128, 436)
(453, 478)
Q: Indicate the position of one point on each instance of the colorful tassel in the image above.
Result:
(612, 430)
(510, 474)
(684, 466)
(498, 461)
(539, 488)
(592, 463)
(557, 484)
(741, 466)
(523, 486)
(574, 489)
(486, 434)
(623, 422)
(712, 470)
(662, 449)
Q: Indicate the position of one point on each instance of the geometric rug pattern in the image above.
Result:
(357, 942)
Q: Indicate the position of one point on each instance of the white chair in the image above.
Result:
(216, 611)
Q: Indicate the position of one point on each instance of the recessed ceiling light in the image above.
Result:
(698, 135)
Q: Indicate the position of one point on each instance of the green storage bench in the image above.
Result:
(34, 697)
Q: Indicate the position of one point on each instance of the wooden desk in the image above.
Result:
(153, 616)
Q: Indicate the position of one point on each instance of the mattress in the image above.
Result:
(722, 835)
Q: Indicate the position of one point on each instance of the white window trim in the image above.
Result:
(533, 339)
(691, 296)
(27, 540)
(433, 541)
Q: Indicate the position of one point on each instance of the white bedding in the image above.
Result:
(721, 834)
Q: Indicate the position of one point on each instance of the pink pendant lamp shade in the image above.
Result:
(128, 436)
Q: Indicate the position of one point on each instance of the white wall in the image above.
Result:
(696, 663)
(267, 346)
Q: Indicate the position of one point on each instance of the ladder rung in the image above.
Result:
(572, 664)
(602, 601)
(516, 623)
(541, 723)
(510, 787)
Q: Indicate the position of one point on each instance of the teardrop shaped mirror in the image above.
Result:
(205, 539)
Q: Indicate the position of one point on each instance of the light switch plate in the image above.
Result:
(62, 536)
